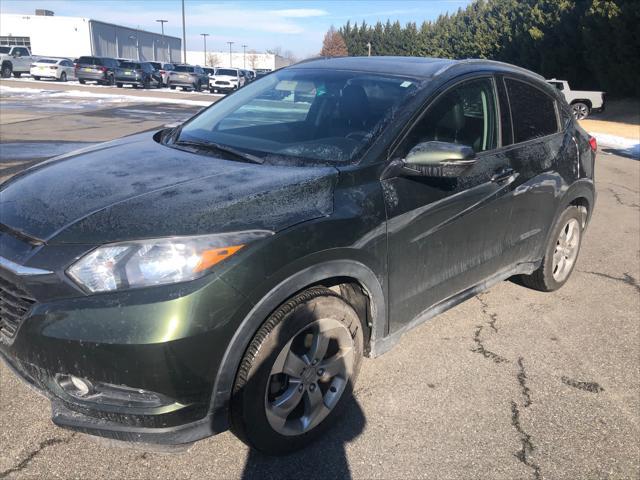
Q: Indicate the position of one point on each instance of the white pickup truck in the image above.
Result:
(14, 59)
(582, 102)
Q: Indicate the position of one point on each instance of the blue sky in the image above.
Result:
(298, 26)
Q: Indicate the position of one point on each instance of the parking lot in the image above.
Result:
(511, 384)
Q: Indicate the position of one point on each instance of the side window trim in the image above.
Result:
(533, 85)
(429, 102)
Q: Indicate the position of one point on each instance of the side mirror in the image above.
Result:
(438, 159)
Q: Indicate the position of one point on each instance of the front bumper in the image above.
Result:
(151, 357)
(130, 80)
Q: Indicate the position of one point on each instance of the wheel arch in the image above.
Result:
(343, 274)
(586, 101)
(581, 194)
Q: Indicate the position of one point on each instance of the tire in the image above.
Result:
(172, 87)
(580, 110)
(318, 393)
(82, 82)
(119, 85)
(551, 275)
(111, 81)
(17, 74)
(63, 77)
(36, 78)
(6, 70)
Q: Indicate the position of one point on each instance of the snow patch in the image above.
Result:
(628, 146)
(100, 97)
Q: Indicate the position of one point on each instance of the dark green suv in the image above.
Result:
(232, 272)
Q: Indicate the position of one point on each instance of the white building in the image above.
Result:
(49, 35)
(250, 60)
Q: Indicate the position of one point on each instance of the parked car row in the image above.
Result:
(122, 71)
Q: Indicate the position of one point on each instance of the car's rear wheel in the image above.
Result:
(580, 110)
(298, 373)
(36, 78)
(63, 77)
(6, 71)
(82, 81)
(119, 85)
(561, 253)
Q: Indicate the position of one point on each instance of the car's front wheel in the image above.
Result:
(298, 373)
(561, 253)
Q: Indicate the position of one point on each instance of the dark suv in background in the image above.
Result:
(138, 74)
(232, 272)
(97, 69)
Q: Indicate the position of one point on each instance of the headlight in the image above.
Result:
(143, 263)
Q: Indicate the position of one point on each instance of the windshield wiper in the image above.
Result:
(206, 145)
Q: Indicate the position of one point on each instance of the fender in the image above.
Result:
(582, 188)
(225, 378)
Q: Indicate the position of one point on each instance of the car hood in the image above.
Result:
(137, 188)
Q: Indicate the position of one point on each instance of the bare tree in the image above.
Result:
(213, 60)
(275, 50)
(252, 58)
(289, 55)
(333, 44)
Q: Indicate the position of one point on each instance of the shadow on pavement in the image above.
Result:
(325, 458)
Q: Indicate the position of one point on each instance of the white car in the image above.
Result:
(59, 68)
(582, 102)
(226, 80)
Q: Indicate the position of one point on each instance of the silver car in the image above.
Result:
(188, 77)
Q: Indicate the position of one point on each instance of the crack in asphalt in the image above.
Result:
(526, 443)
(482, 350)
(592, 387)
(626, 278)
(619, 200)
(50, 442)
(522, 380)
(485, 310)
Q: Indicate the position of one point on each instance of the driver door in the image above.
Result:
(446, 234)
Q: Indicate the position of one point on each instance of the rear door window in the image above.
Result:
(533, 112)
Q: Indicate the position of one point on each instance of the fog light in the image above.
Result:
(75, 386)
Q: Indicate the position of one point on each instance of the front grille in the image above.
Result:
(222, 82)
(14, 305)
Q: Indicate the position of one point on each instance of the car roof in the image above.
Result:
(422, 67)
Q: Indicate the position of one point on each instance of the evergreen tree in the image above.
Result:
(591, 43)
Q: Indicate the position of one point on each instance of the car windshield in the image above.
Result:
(5, 49)
(47, 60)
(130, 65)
(184, 68)
(303, 116)
(226, 71)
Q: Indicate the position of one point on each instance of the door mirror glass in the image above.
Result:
(439, 159)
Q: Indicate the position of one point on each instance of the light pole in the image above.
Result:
(184, 36)
(230, 61)
(162, 22)
(204, 37)
(244, 56)
(369, 47)
(135, 37)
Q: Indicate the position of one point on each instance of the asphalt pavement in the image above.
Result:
(512, 384)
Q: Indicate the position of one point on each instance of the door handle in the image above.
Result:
(503, 174)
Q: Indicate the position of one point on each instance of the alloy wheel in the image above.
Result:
(566, 251)
(580, 111)
(309, 376)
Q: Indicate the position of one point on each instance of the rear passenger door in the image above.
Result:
(536, 147)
